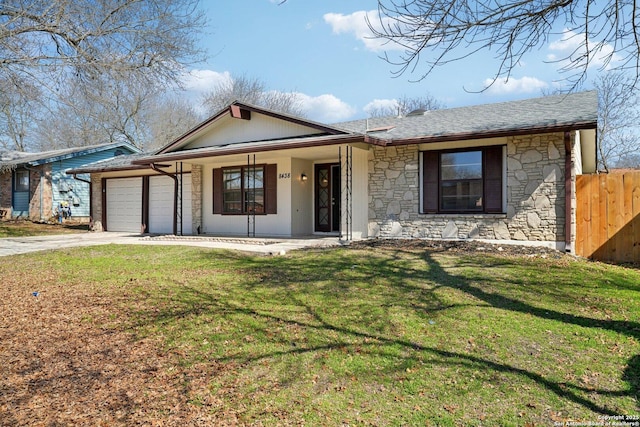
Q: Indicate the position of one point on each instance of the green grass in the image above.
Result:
(377, 336)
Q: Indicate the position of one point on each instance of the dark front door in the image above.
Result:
(327, 198)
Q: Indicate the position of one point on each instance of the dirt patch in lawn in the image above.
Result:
(19, 228)
(67, 361)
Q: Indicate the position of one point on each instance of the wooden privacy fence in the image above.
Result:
(608, 216)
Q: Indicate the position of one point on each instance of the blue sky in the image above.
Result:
(321, 51)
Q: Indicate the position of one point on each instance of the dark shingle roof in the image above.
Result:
(547, 114)
(538, 113)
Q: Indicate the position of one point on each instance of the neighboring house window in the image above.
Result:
(22, 180)
(463, 181)
(245, 190)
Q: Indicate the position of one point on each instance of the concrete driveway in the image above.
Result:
(267, 246)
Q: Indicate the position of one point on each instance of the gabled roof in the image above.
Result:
(547, 114)
(557, 113)
(241, 110)
(35, 159)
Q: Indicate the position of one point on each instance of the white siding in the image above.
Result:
(266, 225)
(259, 128)
(301, 197)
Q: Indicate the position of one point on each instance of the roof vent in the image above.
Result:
(418, 112)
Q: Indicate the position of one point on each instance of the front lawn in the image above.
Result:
(123, 335)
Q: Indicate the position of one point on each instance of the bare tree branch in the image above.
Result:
(20, 105)
(433, 33)
(252, 91)
(95, 65)
(92, 38)
(405, 105)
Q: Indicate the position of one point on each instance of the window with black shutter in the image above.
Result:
(463, 181)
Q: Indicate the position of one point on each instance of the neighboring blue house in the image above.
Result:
(35, 186)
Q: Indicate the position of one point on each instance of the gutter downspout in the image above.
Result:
(75, 176)
(175, 194)
(568, 193)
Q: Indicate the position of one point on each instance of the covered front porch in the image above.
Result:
(313, 191)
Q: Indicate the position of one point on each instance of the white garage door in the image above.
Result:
(124, 204)
(161, 205)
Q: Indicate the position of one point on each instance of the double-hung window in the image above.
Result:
(245, 190)
(463, 181)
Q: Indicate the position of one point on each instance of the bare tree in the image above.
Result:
(73, 123)
(167, 118)
(120, 37)
(94, 64)
(433, 33)
(116, 111)
(19, 107)
(405, 105)
(618, 120)
(251, 91)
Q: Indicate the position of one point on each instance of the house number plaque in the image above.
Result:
(284, 175)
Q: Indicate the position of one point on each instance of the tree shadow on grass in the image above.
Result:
(632, 329)
(282, 274)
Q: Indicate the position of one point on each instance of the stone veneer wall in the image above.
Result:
(196, 198)
(535, 196)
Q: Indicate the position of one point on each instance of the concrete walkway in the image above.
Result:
(266, 246)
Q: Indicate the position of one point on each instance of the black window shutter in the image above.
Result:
(271, 189)
(217, 191)
(493, 179)
(430, 181)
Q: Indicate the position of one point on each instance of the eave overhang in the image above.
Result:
(494, 133)
(254, 147)
(81, 170)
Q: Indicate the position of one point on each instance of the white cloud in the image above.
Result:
(325, 108)
(202, 81)
(513, 85)
(380, 104)
(356, 24)
(573, 47)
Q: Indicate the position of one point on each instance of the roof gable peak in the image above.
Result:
(250, 117)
